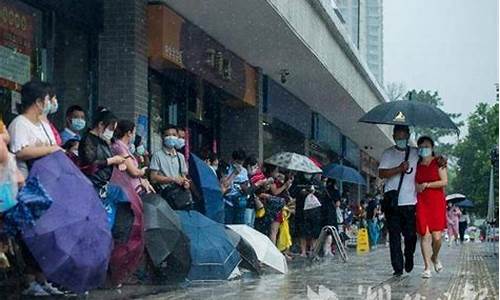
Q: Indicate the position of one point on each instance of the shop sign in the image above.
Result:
(218, 63)
(175, 42)
(16, 43)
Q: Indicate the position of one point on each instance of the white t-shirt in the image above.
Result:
(24, 133)
(391, 158)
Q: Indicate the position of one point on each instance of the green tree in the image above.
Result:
(437, 134)
(473, 156)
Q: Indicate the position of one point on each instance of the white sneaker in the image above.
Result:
(438, 267)
(49, 288)
(426, 274)
(35, 289)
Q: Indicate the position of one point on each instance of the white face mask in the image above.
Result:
(107, 135)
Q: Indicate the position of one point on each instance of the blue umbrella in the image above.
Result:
(465, 203)
(71, 241)
(208, 184)
(213, 254)
(343, 173)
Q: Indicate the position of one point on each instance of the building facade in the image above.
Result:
(364, 22)
(221, 74)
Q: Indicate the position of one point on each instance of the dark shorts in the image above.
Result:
(309, 226)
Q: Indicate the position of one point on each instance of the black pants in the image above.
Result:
(461, 229)
(401, 220)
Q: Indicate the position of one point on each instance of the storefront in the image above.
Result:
(20, 52)
(194, 82)
(51, 41)
(326, 140)
(287, 122)
(369, 170)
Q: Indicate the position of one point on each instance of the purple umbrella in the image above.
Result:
(71, 241)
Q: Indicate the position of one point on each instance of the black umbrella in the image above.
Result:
(163, 229)
(249, 257)
(409, 113)
(465, 203)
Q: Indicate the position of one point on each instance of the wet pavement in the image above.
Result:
(471, 272)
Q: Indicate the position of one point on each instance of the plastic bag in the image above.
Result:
(8, 185)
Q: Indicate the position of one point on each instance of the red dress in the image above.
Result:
(431, 203)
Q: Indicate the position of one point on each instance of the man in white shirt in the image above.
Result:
(401, 214)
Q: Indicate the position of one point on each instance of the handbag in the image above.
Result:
(391, 197)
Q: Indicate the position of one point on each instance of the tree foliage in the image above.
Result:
(437, 134)
(473, 156)
(395, 90)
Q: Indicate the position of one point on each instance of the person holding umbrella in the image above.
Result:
(397, 167)
(453, 216)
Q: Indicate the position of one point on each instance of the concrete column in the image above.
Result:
(123, 65)
(241, 127)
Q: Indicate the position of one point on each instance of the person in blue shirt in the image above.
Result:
(75, 123)
(236, 197)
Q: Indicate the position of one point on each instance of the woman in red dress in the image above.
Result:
(431, 204)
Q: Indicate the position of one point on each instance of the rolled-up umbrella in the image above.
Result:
(293, 162)
(266, 251)
(71, 241)
(249, 258)
(465, 203)
(455, 198)
(213, 255)
(208, 184)
(163, 228)
(409, 113)
(343, 173)
(129, 242)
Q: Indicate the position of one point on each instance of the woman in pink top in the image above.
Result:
(453, 214)
(123, 145)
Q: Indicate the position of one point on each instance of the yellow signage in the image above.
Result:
(362, 245)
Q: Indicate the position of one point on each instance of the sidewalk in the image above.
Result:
(470, 271)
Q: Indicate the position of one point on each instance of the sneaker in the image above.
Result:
(426, 274)
(409, 264)
(438, 267)
(397, 273)
(49, 288)
(35, 289)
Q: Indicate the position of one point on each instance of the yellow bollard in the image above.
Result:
(362, 244)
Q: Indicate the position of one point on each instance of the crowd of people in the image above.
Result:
(289, 207)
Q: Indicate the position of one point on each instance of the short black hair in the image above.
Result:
(239, 155)
(31, 92)
(424, 138)
(70, 143)
(137, 140)
(250, 161)
(401, 128)
(72, 109)
(105, 116)
(167, 127)
(123, 127)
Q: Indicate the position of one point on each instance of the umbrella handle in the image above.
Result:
(409, 170)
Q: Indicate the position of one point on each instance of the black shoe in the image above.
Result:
(397, 273)
(409, 264)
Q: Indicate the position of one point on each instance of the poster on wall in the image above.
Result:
(142, 127)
